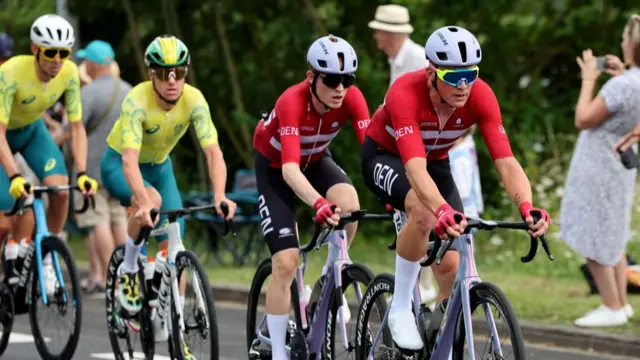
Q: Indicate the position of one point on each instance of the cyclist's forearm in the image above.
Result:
(515, 181)
(133, 176)
(299, 183)
(79, 146)
(422, 183)
(8, 162)
(217, 170)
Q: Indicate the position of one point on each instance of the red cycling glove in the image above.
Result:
(526, 208)
(323, 210)
(446, 218)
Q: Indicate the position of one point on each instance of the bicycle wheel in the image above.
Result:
(489, 294)
(257, 299)
(6, 316)
(127, 335)
(203, 324)
(378, 291)
(352, 275)
(64, 300)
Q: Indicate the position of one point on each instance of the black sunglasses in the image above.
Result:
(333, 80)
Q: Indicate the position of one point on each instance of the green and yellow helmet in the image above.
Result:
(167, 51)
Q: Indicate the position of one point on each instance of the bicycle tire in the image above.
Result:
(186, 259)
(381, 284)
(7, 315)
(52, 243)
(263, 271)
(350, 274)
(147, 341)
(477, 295)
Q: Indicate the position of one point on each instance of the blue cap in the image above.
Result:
(97, 51)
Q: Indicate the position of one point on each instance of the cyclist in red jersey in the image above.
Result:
(405, 162)
(292, 159)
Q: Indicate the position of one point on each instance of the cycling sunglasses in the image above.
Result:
(163, 74)
(51, 53)
(455, 77)
(333, 80)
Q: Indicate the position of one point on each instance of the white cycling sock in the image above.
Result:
(130, 263)
(406, 275)
(277, 325)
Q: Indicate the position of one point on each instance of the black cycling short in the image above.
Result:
(385, 175)
(276, 201)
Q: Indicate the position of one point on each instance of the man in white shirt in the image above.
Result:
(391, 30)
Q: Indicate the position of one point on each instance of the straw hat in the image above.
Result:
(392, 18)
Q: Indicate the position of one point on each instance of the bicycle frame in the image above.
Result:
(339, 258)
(42, 231)
(170, 277)
(466, 277)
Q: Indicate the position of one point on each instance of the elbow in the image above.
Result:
(583, 122)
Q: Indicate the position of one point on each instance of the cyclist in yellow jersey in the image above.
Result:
(28, 86)
(136, 168)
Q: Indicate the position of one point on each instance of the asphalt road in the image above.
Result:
(94, 343)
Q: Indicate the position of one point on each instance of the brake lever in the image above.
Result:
(545, 246)
(228, 224)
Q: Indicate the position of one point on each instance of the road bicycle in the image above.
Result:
(162, 315)
(313, 332)
(447, 330)
(29, 286)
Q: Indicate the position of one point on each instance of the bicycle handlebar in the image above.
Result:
(317, 240)
(38, 190)
(438, 250)
(175, 213)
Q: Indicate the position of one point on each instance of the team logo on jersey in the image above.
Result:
(335, 124)
(459, 121)
(153, 129)
(51, 163)
(28, 100)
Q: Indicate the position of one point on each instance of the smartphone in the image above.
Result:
(601, 63)
(629, 158)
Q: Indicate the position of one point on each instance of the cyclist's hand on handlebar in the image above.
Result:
(143, 216)
(447, 226)
(538, 229)
(87, 185)
(19, 186)
(326, 212)
(232, 207)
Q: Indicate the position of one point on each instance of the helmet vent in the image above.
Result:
(37, 31)
(452, 29)
(463, 51)
(478, 53)
(442, 56)
(341, 60)
(182, 54)
(50, 34)
(322, 63)
(59, 34)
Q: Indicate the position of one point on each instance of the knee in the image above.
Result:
(284, 265)
(61, 197)
(345, 196)
(419, 214)
(155, 197)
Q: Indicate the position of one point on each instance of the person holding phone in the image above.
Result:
(595, 214)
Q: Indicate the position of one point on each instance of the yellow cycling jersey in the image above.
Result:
(25, 98)
(144, 126)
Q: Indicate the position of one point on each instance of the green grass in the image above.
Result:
(542, 291)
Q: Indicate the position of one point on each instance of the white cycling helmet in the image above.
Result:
(52, 31)
(453, 46)
(323, 56)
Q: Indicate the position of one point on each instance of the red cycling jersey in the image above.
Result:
(407, 124)
(296, 132)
